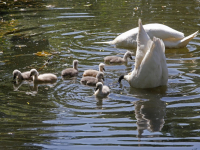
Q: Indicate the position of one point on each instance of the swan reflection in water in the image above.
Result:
(33, 87)
(150, 115)
(150, 110)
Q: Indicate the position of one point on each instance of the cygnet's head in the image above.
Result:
(100, 76)
(34, 72)
(128, 54)
(99, 86)
(101, 67)
(75, 64)
(15, 73)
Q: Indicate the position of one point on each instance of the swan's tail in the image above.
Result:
(187, 39)
(107, 42)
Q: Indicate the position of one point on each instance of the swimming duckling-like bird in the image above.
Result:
(42, 78)
(150, 63)
(101, 90)
(116, 59)
(89, 80)
(71, 72)
(21, 76)
(171, 38)
(94, 73)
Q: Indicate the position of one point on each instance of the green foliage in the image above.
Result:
(10, 4)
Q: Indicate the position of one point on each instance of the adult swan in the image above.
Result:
(150, 64)
(171, 38)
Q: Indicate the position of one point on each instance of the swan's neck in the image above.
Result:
(125, 57)
(20, 77)
(75, 66)
(100, 88)
(35, 77)
(100, 68)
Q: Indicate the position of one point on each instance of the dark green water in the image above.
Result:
(67, 115)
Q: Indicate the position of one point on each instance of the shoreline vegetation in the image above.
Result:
(16, 4)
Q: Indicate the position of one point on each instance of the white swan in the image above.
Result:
(171, 38)
(21, 76)
(42, 78)
(71, 72)
(116, 59)
(93, 73)
(150, 62)
(101, 90)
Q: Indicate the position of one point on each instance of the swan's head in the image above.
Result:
(75, 64)
(100, 76)
(99, 86)
(16, 73)
(34, 72)
(101, 67)
(128, 54)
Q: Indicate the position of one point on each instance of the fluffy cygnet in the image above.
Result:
(101, 90)
(43, 78)
(92, 80)
(94, 73)
(71, 72)
(116, 59)
(21, 76)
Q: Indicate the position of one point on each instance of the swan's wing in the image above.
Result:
(153, 70)
(163, 32)
(143, 44)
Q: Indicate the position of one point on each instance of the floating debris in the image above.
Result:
(20, 46)
(43, 53)
(88, 5)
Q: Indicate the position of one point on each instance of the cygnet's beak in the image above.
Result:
(104, 69)
(131, 58)
(103, 79)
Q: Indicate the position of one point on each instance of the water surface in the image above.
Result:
(67, 115)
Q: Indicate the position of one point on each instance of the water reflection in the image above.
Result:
(33, 87)
(99, 102)
(150, 109)
(72, 80)
(150, 115)
(17, 84)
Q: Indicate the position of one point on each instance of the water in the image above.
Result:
(67, 115)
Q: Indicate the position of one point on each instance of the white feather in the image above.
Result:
(171, 38)
(151, 68)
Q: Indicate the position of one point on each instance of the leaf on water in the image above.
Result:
(43, 53)
(50, 6)
(20, 46)
(88, 5)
